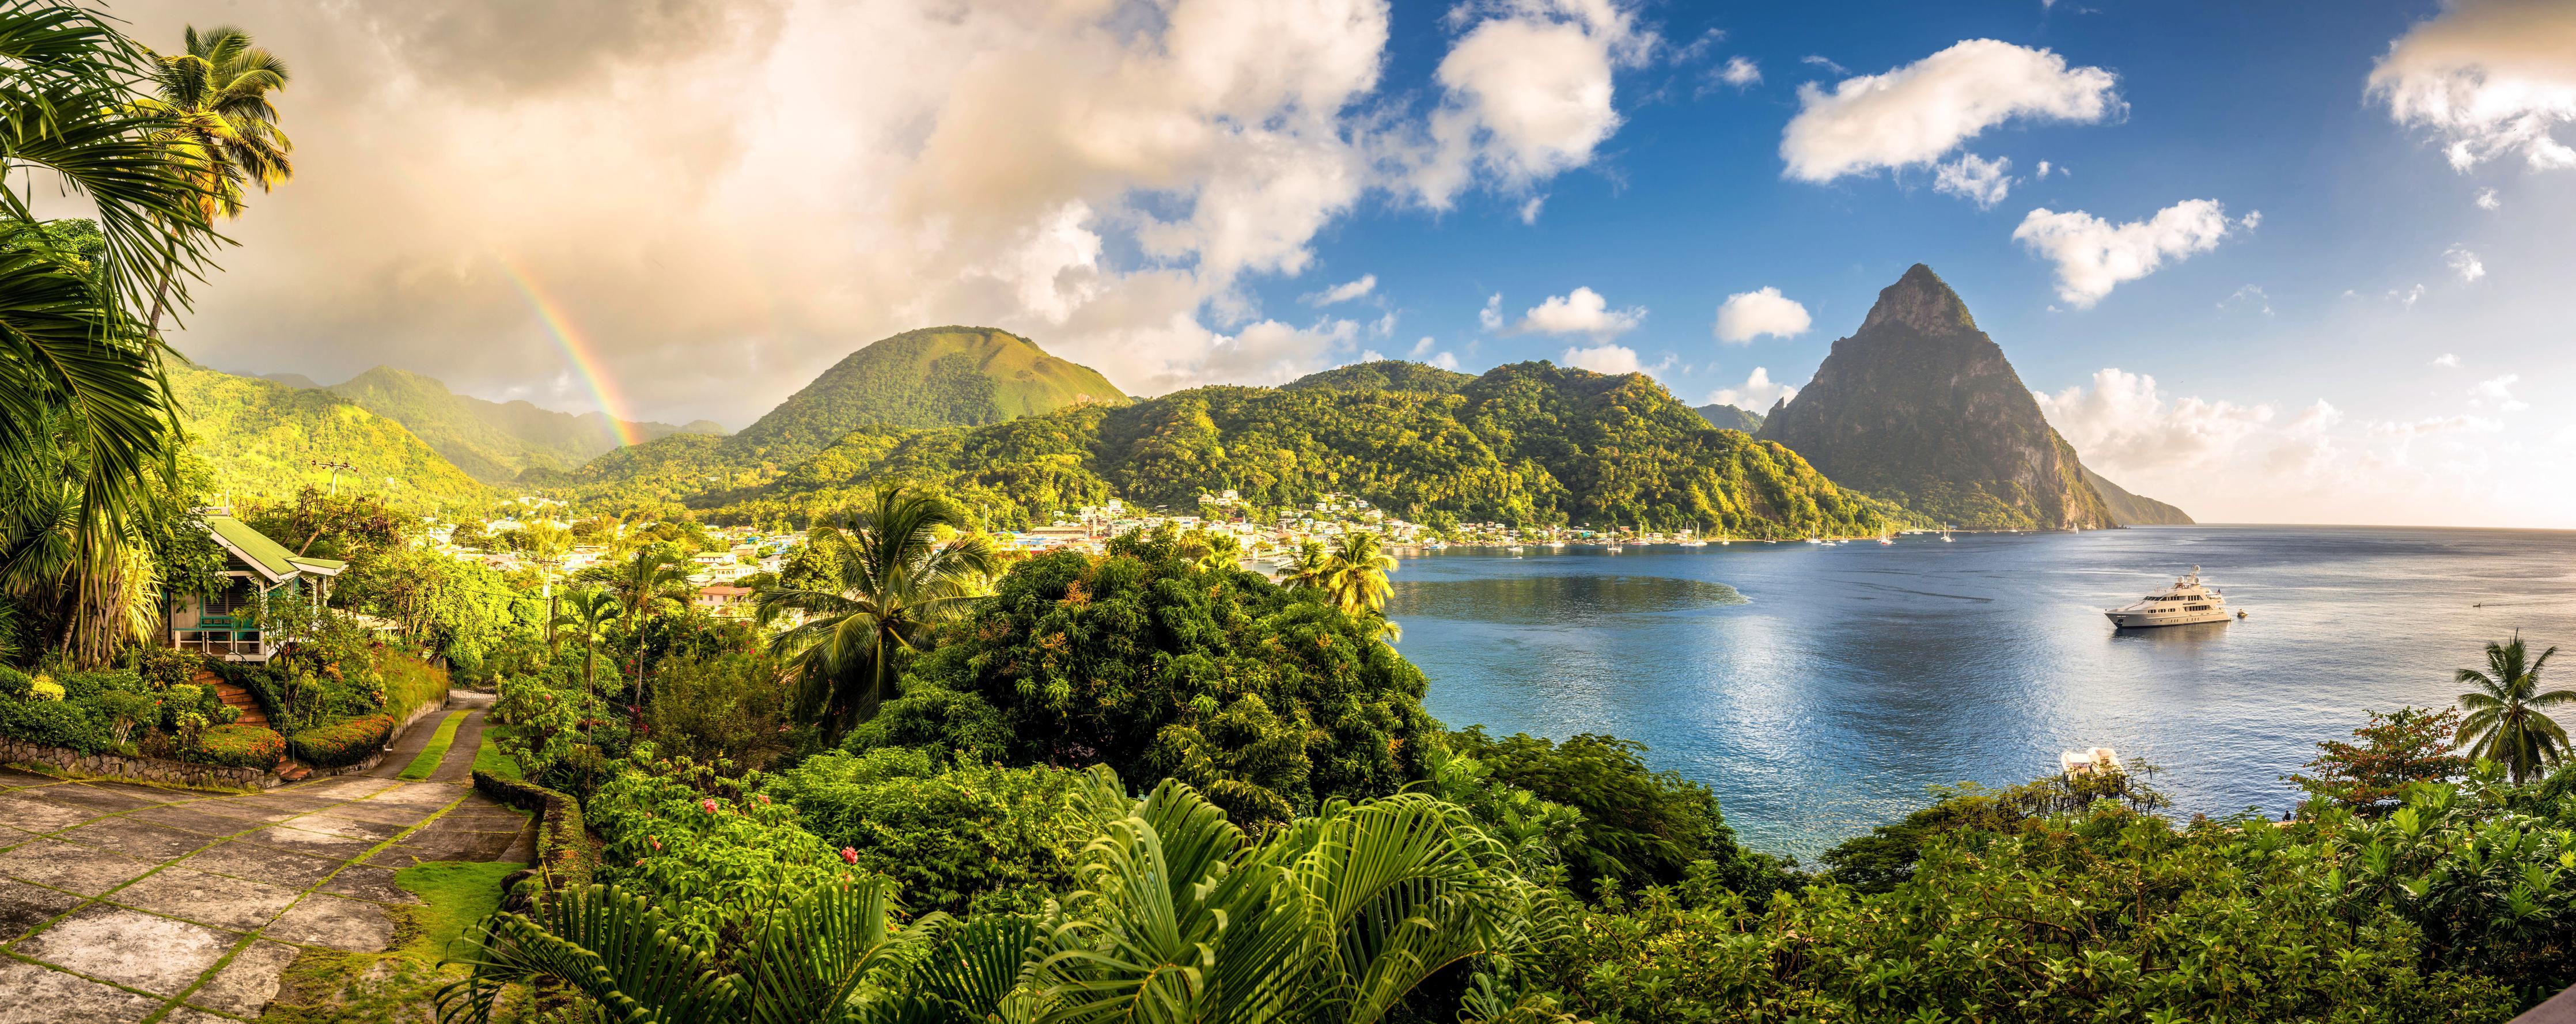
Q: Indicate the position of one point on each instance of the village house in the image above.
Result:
(261, 578)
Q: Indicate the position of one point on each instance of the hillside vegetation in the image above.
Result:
(1527, 443)
(260, 438)
(934, 377)
(494, 441)
(1384, 375)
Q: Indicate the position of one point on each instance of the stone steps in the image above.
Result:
(233, 696)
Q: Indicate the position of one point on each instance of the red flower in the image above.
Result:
(849, 856)
(657, 842)
(709, 804)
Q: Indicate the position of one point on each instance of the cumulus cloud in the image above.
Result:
(1445, 360)
(1583, 312)
(2095, 255)
(2464, 263)
(1745, 316)
(2488, 200)
(1603, 359)
(2494, 78)
(1918, 113)
(2430, 425)
(1756, 394)
(1818, 60)
(2123, 422)
(1344, 292)
(1491, 317)
(1740, 73)
(2251, 296)
(2499, 392)
(1976, 179)
(2447, 360)
(1526, 93)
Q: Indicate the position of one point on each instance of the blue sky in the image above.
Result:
(2354, 217)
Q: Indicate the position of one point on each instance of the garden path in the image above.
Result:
(121, 903)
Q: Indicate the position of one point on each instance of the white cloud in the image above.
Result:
(1603, 359)
(2447, 360)
(1918, 113)
(1975, 178)
(1819, 61)
(2464, 423)
(1527, 93)
(2488, 200)
(1584, 312)
(2409, 297)
(1270, 352)
(1491, 317)
(1740, 73)
(1344, 292)
(2044, 168)
(1423, 347)
(2250, 295)
(1757, 394)
(2493, 77)
(1529, 209)
(1698, 48)
(2094, 255)
(2124, 424)
(1445, 360)
(2498, 390)
(2464, 263)
(1745, 316)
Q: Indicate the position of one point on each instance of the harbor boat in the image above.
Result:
(2086, 762)
(1615, 548)
(1945, 533)
(1813, 540)
(1692, 544)
(2187, 602)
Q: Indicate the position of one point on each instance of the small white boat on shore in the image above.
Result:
(2187, 602)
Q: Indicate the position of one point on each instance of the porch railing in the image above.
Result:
(221, 642)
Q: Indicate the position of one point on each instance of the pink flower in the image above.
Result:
(657, 843)
(709, 804)
(849, 856)
(764, 799)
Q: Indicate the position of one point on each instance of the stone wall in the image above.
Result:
(147, 769)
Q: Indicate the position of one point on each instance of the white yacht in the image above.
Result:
(2187, 602)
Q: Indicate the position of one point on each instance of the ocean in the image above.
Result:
(1818, 690)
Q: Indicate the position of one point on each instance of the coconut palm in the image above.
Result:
(893, 581)
(1307, 569)
(85, 414)
(587, 615)
(213, 100)
(1356, 574)
(1216, 550)
(652, 580)
(2508, 722)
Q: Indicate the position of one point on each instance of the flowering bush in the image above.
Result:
(692, 836)
(239, 746)
(970, 837)
(333, 744)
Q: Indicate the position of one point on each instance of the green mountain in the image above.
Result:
(292, 380)
(934, 377)
(261, 440)
(494, 441)
(1527, 443)
(1384, 375)
(1919, 407)
(1728, 417)
(2131, 510)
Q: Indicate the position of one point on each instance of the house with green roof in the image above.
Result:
(261, 578)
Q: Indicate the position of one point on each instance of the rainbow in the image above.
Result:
(577, 350)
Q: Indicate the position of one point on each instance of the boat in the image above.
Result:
(1692, 544)
(2187, 602)
(1615, 549)
(1812, 540)
(1945, 533)
(2103, 760)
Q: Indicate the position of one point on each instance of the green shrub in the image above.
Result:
(974, 837)
(333, 744)
(15, 685)
(56, 723)
(565, 857)
(85, 685)
(409, 683)
(165, 667)
(699, 841)
(240, 746)
(44, 689)
(732, 707)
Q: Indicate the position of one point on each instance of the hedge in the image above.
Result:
(344, 742)
(565, 859)
(55, 723)
(240, 746)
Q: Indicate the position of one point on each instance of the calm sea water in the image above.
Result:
(1818, 690)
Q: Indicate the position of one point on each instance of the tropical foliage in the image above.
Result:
(2508, 713)
(894, 580)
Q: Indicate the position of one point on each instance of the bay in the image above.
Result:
(1818, 690)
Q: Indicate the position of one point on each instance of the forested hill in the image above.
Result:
(1728, 417)
(2134, 510)
(1920, 407)
(261, 439)
(934, 377)
(1526, 443)
(494, 441)
(1385, 375)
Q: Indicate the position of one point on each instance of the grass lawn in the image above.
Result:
(427, 760)
(454, 895)
(490, 760)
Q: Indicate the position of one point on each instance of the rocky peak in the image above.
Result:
(1922, 302)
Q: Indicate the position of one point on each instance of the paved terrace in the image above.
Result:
(123, 903)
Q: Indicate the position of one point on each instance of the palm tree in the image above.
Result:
(1179, 917)
(85, 413)
(1307, 570)
(587, 614)
(1219, 551)
(654, 578)
(893, 582)
(2507, 722)
(1356, 574)
(213, 101)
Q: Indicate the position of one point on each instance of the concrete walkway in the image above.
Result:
(118, 900)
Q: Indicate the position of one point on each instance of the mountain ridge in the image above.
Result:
(492, 441)
(930, 377)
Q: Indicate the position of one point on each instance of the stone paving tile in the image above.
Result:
(92, 799)
(147, 794)
(135, 838)
(207, 899)
(131, 948)
(79, 869)
(430, 794)
(403, 815)
(360, 881)
(315, 844)
(206, 821)
(244, 987)
(34, 995)
(13, 778)
(260, 864)
(24, 906)
(352, 787)
(291, 803)
(330, 823)
(185, 1015)
(321, 919)
(25, 810)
